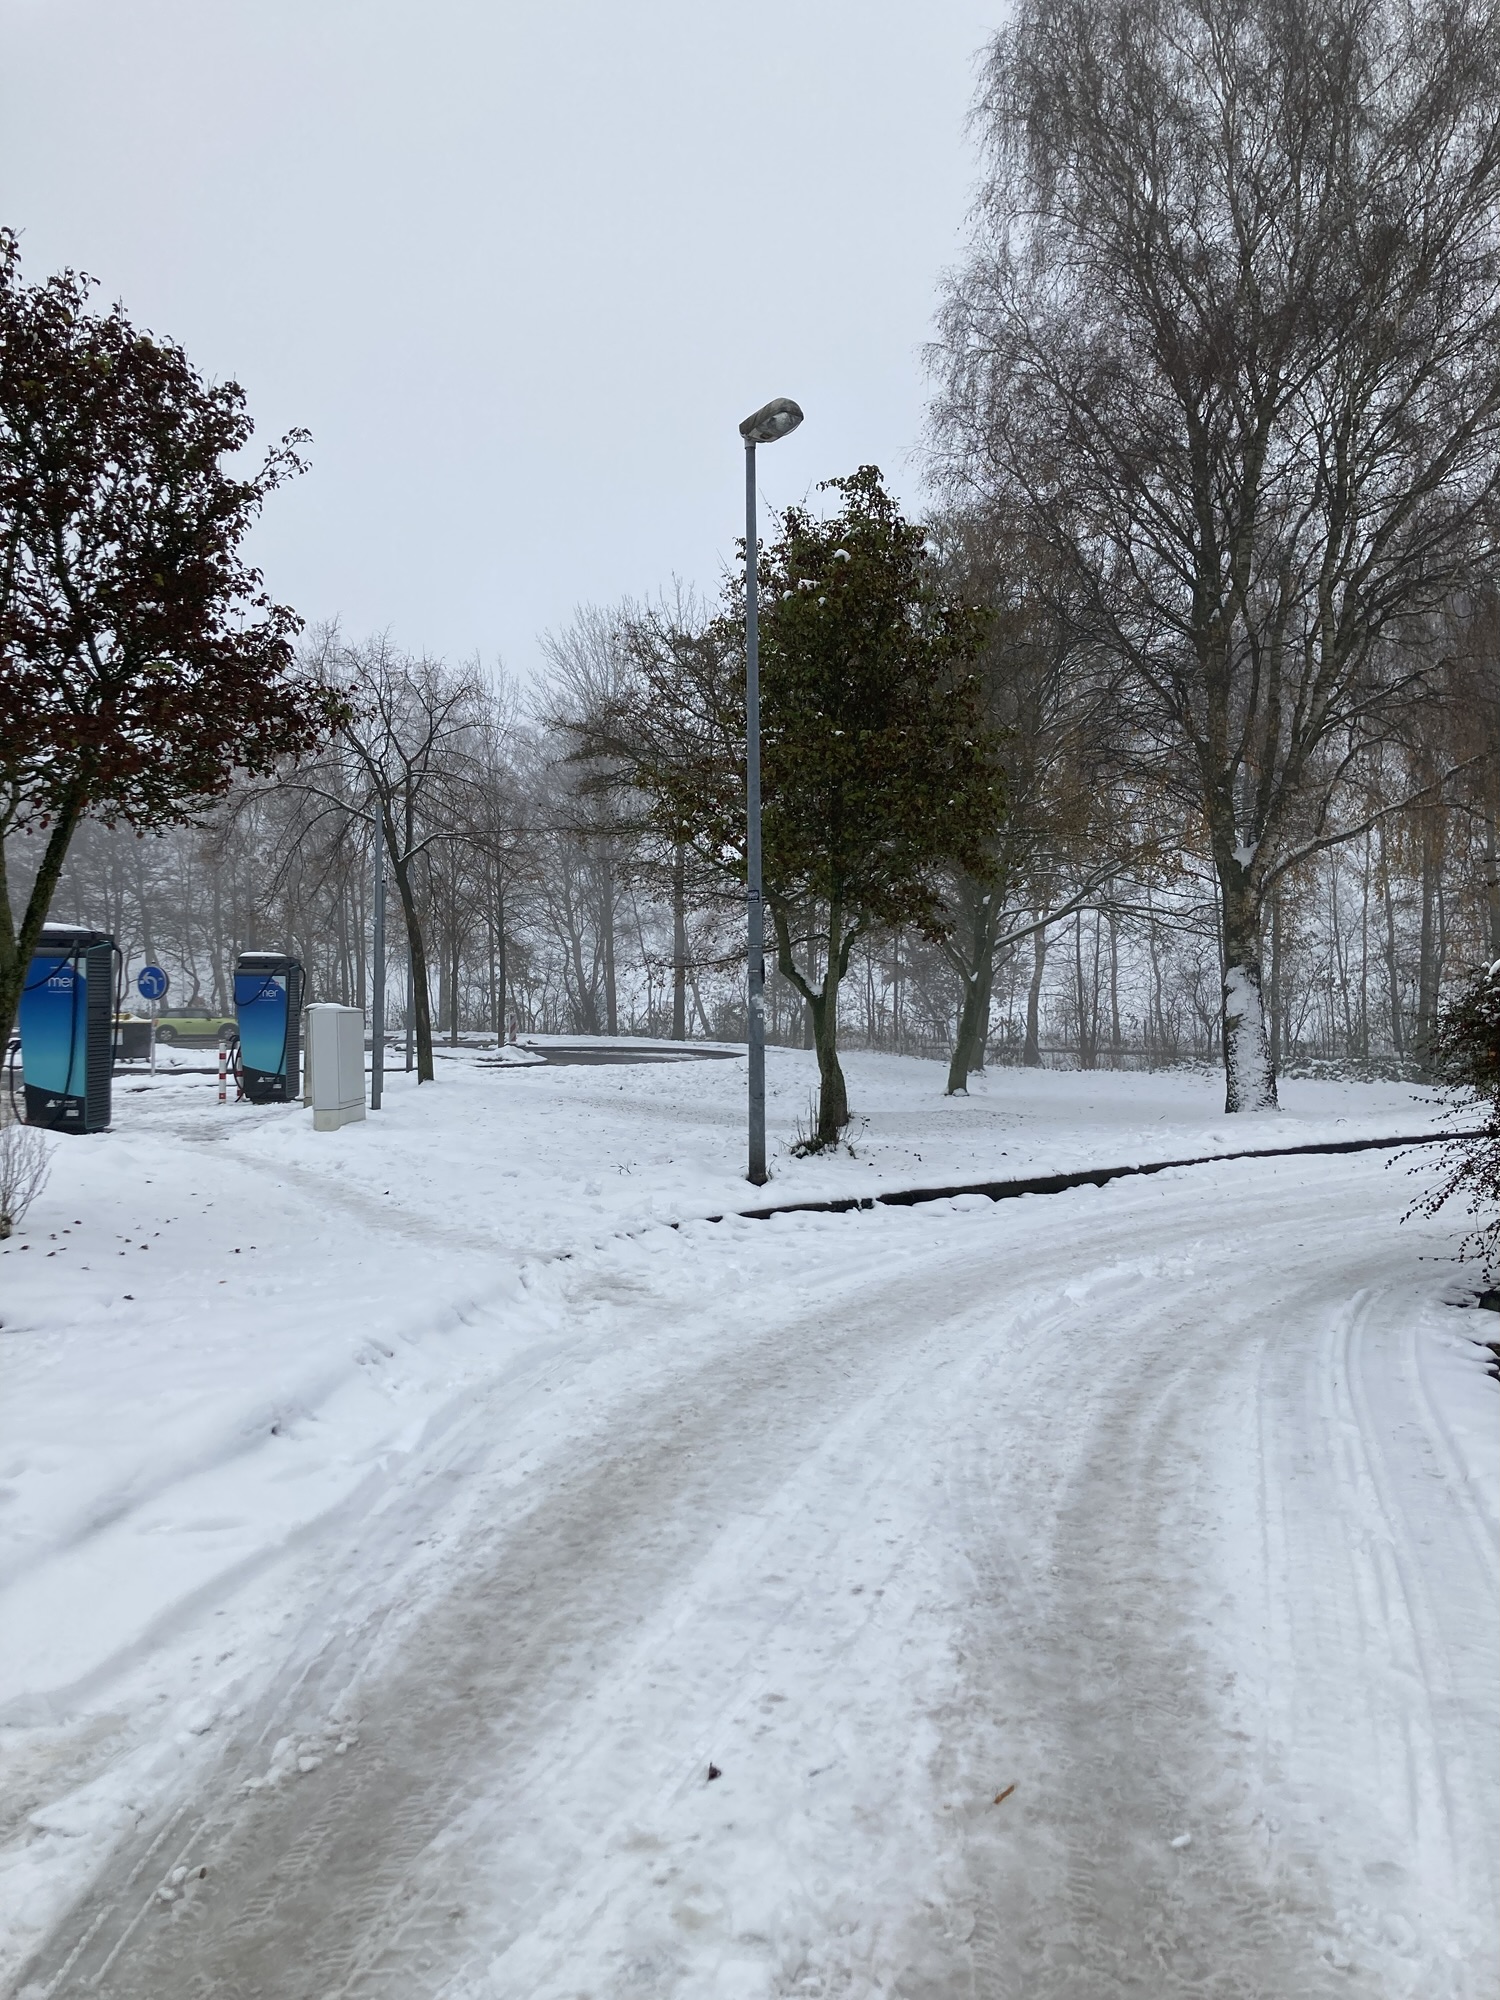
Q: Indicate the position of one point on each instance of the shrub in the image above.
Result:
(24, 1165)
(1465, 1054)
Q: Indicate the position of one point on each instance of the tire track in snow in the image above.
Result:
(1081, 1440)
(1122, 1743)
(1130, 1704)
(1400, 1613)
(1377, 1694)
(1389, 1429)
(313, 1882)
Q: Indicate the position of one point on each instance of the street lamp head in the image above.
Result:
(776, 420)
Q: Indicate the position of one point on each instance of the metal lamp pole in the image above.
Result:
(775, 420)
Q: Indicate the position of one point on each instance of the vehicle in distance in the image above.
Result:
(196, 1024)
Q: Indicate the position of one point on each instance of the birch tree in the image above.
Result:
(1230, 329)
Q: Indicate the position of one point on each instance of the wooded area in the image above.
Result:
(540, 914)
(1172, 733)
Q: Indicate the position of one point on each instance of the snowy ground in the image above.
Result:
(399, 1521)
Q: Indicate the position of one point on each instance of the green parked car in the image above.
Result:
(194, 1026)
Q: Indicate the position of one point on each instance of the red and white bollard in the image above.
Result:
(223, 1076)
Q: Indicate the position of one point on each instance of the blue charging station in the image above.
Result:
(268, 1005)
(67, 1029)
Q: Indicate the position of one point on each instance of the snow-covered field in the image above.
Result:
(399, 1522)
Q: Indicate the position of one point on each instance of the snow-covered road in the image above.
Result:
(1083, 1596)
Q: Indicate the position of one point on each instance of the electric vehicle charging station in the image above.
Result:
(268, 1005)
(67, 1029)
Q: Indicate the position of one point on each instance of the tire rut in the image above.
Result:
(1090, 1471)
(1120, 1728)
(334, 1882)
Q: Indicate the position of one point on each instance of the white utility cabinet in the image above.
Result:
(335, 1064)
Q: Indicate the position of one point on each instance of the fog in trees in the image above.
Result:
(1169, 735)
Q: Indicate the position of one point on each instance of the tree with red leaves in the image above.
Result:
(142, 664)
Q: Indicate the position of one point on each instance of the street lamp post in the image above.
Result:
(775, 420)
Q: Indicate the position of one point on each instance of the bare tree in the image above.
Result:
(1231, 332)
(24, 1166)
(1067, 832)
(500, 843)
(599, 816)
(410, 728)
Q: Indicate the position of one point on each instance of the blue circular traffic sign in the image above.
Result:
(151, 982)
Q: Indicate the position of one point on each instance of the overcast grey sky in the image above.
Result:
(519, 269)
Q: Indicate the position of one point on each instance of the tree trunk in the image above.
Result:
(1249, 1072)
(969, 1000)
(1392, 969)
(421, 1008)
(822, 1017)
(1427, 960)
(833, 1095)
(1277, 1036)
(896, 1027)
(344, 972)
(586, 1004)
(1087, 998)
(221, 983)
(17, 950)
(1160, 1039)
(421, 1005)
(501, 995)
(1031, 1054)
(679, 944)
(611, 1007)
(703, 1021)
(973, 1030)
(976, 988)
(1364, 957)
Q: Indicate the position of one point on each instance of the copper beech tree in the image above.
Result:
(141, 662)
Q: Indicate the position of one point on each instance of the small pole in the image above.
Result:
(223, 1076)
(755, 908)
(155, 1010)
(377, 1007)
